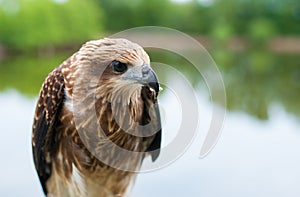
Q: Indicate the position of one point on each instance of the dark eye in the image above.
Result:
(119, 67)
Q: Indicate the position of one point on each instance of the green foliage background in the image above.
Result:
(30, 24)
(27, 24)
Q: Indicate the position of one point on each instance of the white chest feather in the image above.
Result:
(60, 186)
(78, 185)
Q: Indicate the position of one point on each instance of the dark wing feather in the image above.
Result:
(154, 147)
(44, 139)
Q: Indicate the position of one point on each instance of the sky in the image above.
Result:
(251, 158)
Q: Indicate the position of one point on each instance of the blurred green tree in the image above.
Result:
(32, 24)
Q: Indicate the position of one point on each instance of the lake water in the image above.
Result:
(256, 155)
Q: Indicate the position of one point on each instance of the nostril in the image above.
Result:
(145, 69)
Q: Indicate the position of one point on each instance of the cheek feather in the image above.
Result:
(123, 92)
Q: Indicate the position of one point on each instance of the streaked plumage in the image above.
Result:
(112, 78)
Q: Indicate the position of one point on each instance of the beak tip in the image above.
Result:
(150, 80)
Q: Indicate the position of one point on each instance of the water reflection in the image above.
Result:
(254, 79)
(258, 79)
(26, 73)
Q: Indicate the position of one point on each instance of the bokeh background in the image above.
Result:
(256, 45)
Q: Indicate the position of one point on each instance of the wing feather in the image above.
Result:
(44, 136)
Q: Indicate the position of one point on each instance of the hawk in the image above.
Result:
(96, 119)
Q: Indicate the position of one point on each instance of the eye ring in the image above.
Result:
(119, 67)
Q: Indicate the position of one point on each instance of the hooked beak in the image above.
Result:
(149, 78)
(143, 75)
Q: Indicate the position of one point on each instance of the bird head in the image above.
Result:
(117, 72)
